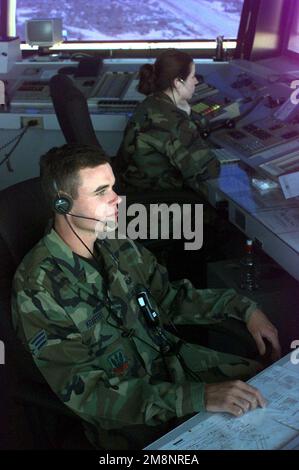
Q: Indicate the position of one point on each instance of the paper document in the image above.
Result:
(264, 428)
(290, 184)
(280, 220)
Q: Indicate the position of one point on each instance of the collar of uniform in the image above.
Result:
(160, 95)
(109, 252)
(71, 264)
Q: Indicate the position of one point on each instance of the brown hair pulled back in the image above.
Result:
(170, 65)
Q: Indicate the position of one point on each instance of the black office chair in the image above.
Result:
(24, 216)
(73, 114)
(72, 111)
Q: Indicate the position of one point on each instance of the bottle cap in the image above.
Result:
(249, 246)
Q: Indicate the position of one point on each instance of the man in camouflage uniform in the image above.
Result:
(92, 313)
(162, 148)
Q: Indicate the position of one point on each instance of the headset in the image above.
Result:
(63, 205)
(171, 87)
(184, 83)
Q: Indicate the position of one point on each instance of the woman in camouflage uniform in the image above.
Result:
(162, 147)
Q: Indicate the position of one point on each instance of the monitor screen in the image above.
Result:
(39, 31)
(135, 20)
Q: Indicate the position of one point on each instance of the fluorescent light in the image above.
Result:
(11, 18)
(229, 44)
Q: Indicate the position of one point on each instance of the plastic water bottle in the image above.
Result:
(249, 269)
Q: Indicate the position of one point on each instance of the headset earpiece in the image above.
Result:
(62, 203)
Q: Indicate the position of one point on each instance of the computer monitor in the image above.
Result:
(43, 32)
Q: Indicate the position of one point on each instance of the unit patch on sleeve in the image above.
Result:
(118, 362)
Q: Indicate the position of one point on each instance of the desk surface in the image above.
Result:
(265, 216)
(273, 427)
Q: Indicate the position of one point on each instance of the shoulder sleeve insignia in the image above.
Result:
(118, 362)
(37, 342)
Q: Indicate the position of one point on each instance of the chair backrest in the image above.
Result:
(23, 217)
(72, 111)
(73, 116)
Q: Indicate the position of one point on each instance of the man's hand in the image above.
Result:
(260, 327)
(235, 397)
